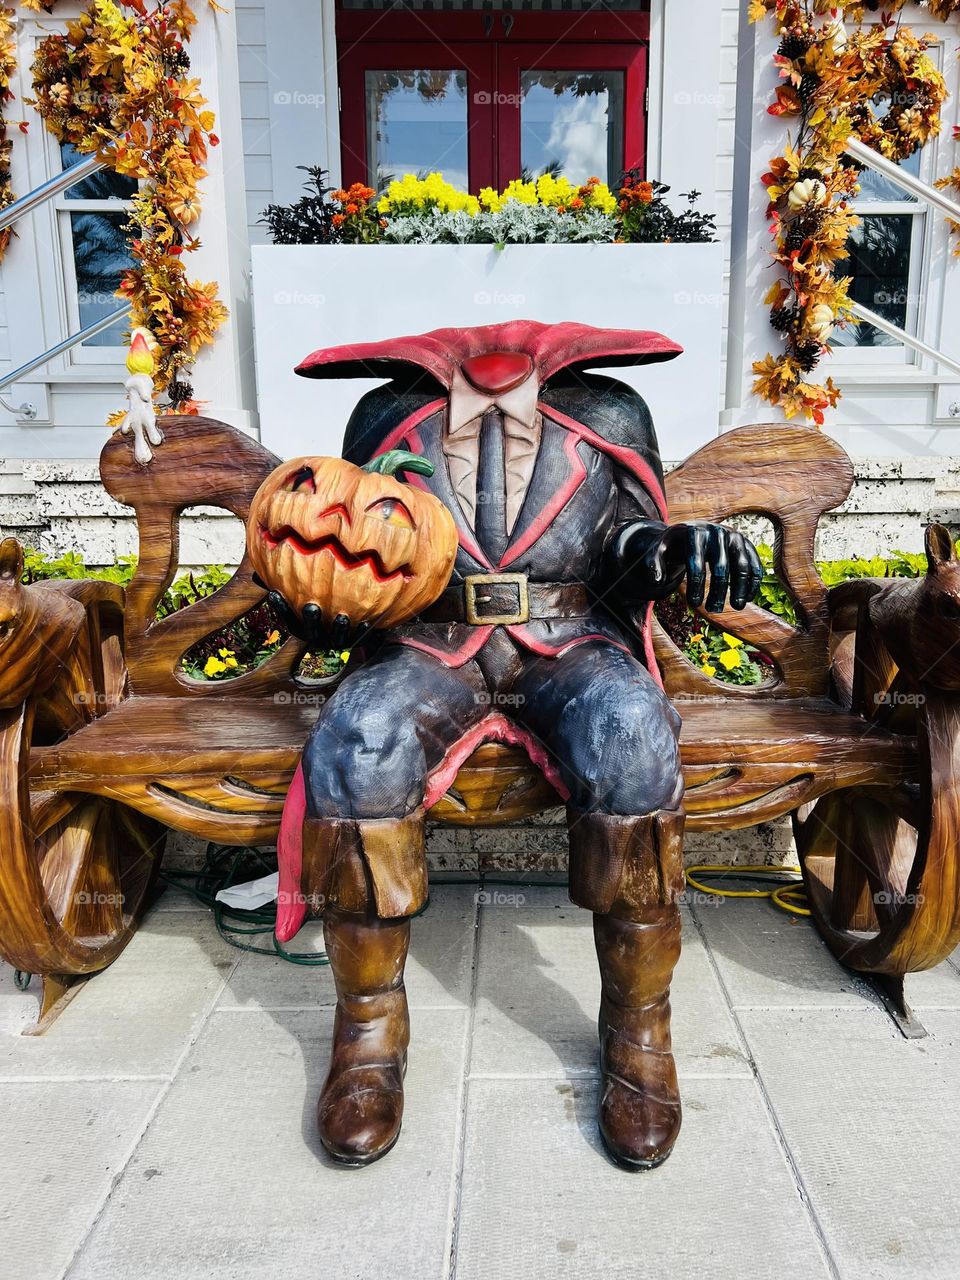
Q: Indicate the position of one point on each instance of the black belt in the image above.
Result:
(508, 599)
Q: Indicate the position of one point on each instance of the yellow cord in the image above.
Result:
(787, 896)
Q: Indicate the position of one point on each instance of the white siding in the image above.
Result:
(726, 130)
(255, 112)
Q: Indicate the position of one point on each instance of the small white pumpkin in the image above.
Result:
(821, 323)
(806, 191)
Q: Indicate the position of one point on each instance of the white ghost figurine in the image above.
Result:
(141, 417)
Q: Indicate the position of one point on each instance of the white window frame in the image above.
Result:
(81, 357)
(899, 354)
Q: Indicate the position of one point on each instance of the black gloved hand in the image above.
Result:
(652, 559)
(321, 635)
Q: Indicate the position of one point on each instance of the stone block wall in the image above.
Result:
(59, 506)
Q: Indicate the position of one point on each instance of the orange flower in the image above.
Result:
(645, 191)
(338, 219)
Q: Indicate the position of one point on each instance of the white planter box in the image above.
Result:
(310, 296)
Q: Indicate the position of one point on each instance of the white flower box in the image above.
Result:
(310, 296)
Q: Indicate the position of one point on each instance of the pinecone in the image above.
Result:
(794, 239)
(177, 63)
(793, 45)
(179, 393)
(782, 319)
(808, 172)
(807, 354)
(807, 88)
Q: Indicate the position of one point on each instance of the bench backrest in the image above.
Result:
(790, 474)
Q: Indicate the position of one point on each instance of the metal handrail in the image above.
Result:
(908, 339)
(28, 410)
(921, 190)
(52, 187)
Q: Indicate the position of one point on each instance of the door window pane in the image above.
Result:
(417, 123)
(571, 122)
(879, 265)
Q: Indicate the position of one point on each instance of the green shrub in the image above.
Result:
(250, 640)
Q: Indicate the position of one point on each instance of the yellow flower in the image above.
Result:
(273, 637)
(225, 653)
(214, 667)
(708, 670)
(698, 636)
(732, 641)
(345, 655)
(231, 662)
(730, 659)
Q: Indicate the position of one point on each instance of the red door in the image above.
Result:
(487, 96)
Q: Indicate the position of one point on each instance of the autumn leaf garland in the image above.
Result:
(117, 83)
(831, 81)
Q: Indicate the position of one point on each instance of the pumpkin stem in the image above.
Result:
(396, 461)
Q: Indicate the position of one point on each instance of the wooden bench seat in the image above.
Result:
(220, 766)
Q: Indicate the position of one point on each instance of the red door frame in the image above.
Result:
(429, 40)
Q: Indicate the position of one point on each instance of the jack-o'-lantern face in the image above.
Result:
(350, 540)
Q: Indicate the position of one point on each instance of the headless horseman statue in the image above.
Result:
(554, 480)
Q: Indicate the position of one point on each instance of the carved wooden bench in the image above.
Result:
(103, 741)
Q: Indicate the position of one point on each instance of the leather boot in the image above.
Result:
(639, 1097)
(629, 873)
(361, 1105)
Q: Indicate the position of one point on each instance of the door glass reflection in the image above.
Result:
(417, 123)
(571, 122)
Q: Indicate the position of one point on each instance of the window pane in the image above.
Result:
(105, 185)
(872, 185)
(101, 253)
(417, 123)
(879, 265)
(571, 122)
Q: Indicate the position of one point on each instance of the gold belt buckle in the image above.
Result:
(473, 581)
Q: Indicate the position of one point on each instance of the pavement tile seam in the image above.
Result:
(456, 1181)
(463, 1103)
(773, 1119)
(162, 1092)
(84, 1079)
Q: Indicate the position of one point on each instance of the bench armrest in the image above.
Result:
(202, 462)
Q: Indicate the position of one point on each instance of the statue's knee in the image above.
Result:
(638, 769)
(362, 766)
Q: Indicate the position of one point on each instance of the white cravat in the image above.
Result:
(461, 440)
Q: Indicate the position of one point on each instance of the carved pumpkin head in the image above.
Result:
(353, 540)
